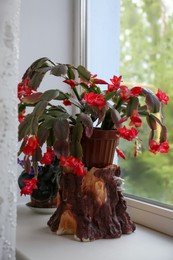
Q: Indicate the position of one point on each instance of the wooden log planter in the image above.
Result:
(92, 207)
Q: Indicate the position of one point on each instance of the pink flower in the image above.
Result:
(135, 119)
(96, 100)
(128, 134)
(74, 163)
(162, 97)
(30, 185)
(48, 157)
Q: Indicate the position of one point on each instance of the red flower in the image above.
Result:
(94, 80)
(116, 81)
(74, 163)
(135, 119)
(100, 81)
(158, 147)
(30, 185)
(115, 84)
(136, 91)
(162, 97)
(21, 116)
(73, 83)
(23, 89)
(125, 93)
(48, 157)
(128, 134)
(66, 102)
(31, 144)
(111, 88)
(96, 100)
(164, 147)
(120, 153)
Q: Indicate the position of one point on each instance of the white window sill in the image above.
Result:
(150, 215)
(35, 241)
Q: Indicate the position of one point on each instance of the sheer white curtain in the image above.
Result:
(9, 32)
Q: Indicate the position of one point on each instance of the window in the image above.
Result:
(135, 39)
(146, 57)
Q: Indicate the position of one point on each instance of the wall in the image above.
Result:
(46, 29)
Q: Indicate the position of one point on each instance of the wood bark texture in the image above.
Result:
(92, 207)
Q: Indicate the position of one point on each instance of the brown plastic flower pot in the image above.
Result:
(99, 150)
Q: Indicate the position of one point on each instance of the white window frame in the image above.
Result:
(145, 213)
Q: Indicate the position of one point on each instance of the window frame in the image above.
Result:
(142, 212)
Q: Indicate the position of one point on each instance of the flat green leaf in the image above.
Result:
(76, 150)
(76, 103)
(151, 135)
(21, 108)
(61, 129)
(36, 80)
(24, 127)
(62, 95)
(88, 123)
(115, 115)
(32, 99)
(107, 120)
(151, 122)
(34, 125)
(163, 134)
(110, 95)
(61, 147)
(40, 66)
(37, 155)
(58, 114)
(50, 94)
(42, 134)
(84, 74)
(70, 73)
(151, 100)
(40, 108)
(50, 139)
(48, 122)
(75, 146)
(59, 70)
(132, 105)
(58, 108)
(41, 63)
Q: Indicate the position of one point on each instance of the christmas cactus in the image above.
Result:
(50, 135)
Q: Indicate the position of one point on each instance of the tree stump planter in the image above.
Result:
(92, 207)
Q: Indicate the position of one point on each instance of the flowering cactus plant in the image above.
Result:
(44, 128)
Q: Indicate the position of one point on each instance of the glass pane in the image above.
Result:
(146, 57)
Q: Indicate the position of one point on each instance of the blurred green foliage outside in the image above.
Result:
(146, 57)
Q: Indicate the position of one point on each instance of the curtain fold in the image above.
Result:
(9, 46)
